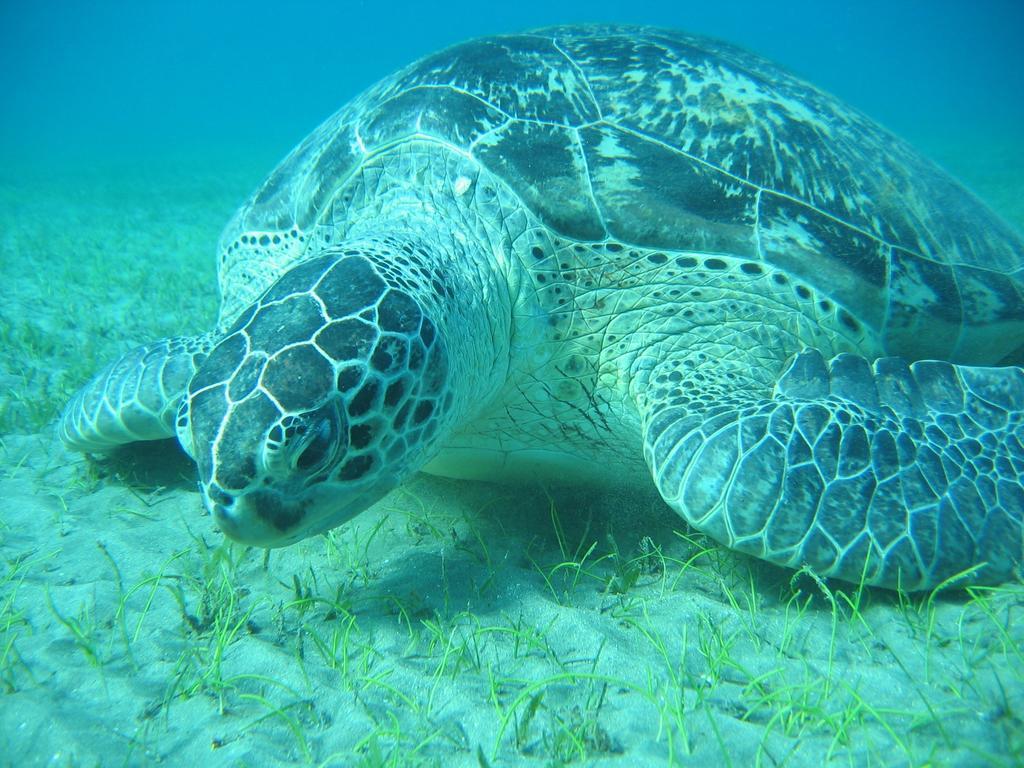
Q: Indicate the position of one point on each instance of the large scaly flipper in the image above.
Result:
(136, 397)
(900, 475)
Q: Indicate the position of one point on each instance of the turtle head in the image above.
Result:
(324, 395)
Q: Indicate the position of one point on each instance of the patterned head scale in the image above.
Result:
(308, 409)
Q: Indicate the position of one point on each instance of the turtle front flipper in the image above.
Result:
(900, 475)
(136, 397)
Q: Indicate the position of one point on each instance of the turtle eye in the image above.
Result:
(319, 449)
(306, 444)
(318, 441)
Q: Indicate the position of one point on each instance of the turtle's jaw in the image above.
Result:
(272, 518)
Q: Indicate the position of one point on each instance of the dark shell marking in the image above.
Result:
(663, 140)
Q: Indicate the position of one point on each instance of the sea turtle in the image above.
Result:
(617, 253)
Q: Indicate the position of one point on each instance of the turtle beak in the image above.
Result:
(267, 518)
(260, 519)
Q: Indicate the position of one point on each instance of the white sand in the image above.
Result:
(452, 624)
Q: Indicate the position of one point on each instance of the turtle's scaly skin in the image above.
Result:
(616, 247)
(136, 397)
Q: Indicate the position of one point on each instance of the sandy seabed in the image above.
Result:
(451, 624)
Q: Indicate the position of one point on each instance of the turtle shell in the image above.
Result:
(669, 141)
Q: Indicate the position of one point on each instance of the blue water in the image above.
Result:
(113, 79)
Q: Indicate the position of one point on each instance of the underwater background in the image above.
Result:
(95, 81)
(453, 623)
